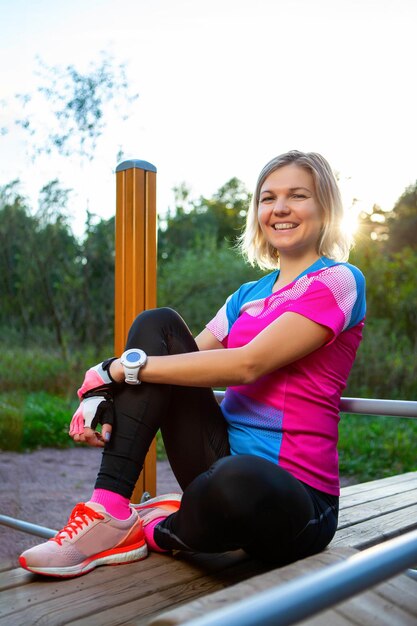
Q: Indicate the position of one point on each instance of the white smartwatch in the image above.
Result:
(132, 360)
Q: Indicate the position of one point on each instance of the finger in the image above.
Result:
(106, 431)
(92, 438)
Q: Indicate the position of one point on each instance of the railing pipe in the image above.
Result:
(368, 406)
(27, 527)
(305, 596)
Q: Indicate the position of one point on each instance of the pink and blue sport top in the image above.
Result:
(290, 416)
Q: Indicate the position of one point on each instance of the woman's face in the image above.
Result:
(288, 212)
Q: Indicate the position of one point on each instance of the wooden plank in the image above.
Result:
(106, 587)
(141, 610)
(7, 564)
(393, 602)
(376, 508)
(400, 590)
(250, 587)
(369, 533)
(361, 497)
(14, 577)
(383, 605)
(374, 607)
(400, 480)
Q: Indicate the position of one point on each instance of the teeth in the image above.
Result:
(284, 226)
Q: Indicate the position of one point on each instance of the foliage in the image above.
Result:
(25, 369)
(34, 420)
(386, 364)
(220, 218)
(391, 287)
(198, 282)
(375, 447)
(75, 104)
(402, 221)
(53, 288)
(95, 299)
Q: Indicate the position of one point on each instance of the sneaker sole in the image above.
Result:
(168, 498)
(108, 557)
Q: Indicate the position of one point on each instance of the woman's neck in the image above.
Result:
(290, 268)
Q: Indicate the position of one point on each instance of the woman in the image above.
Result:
(260, 472)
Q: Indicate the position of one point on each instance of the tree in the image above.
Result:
(74, 106)
(402, 221)
(53, 272)
(95, 321)
(198, 282)
(16, 224)
(220, 218)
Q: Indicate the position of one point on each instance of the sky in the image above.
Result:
(224, 86)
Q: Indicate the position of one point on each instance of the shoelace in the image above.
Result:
(81, 515)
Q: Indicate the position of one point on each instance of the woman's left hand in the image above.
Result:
(92, 411)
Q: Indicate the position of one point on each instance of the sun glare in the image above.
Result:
(350, 222)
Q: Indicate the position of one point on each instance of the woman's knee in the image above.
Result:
(236, 480)
(245, 481)
(152, 318)
(152, 328)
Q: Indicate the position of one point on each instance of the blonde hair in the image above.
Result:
(333, 242)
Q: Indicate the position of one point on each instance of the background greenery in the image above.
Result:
(57, 296)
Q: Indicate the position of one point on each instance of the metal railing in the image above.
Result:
(307, 595)
(368, 406)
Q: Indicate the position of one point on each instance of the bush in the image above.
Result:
(386, 364)
(35, 420)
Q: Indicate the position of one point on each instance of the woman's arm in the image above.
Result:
(207, 341)
(289, 338)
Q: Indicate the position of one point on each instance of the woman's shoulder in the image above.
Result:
(260, 286)
(342, 269)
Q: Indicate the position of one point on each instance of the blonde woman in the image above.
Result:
(259, 472)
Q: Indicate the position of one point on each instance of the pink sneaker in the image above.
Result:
(153, 511)
(158, 507)
(92, 537)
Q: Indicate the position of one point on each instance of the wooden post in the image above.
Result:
(135, 268)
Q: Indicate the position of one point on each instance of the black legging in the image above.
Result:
(229, 502)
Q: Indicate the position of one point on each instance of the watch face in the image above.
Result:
(132, 357)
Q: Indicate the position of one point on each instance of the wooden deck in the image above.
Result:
(165, 590)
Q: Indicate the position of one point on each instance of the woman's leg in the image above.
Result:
(190, 419)
(105, 530)
(250, 503)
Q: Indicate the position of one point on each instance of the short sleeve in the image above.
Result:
(224, 319)
(256, 290)
(334, 297)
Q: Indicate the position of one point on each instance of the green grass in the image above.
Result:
(373, 447)
(37, 369)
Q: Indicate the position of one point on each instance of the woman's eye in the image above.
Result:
(267, 199)
(299, 195)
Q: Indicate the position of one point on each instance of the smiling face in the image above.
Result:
(288, 212)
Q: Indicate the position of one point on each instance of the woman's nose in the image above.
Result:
(281, 207)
